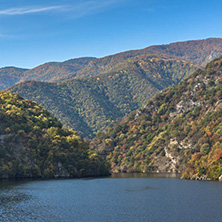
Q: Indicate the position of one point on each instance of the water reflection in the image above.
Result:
(12, 197)
(145, 175)
(140, 189)
(9, 192)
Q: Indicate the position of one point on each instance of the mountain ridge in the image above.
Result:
(198, 52)
(53, 71)
(49, 71)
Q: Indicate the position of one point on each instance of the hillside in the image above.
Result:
(9, 76)
(90, 104)
(179, 130)
(50, 72)
(33, 144)
(198, 52)
(56, 71)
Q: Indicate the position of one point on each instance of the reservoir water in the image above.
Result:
(119, 198)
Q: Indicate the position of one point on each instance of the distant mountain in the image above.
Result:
(198, 52)
(57, 71)
(9, 76)
(50, 72)
(179, 130)
(33, 144)
(90, 104)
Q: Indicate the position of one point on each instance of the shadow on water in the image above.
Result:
(145, 175)
(6, 184)
(13, 197)
(141, 189)
(10, 193)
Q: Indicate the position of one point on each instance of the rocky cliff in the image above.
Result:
(179, 130)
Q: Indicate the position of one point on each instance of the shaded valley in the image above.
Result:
(90, 104)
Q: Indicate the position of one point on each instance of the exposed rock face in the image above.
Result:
(218, 105)
(173, 160)
(184, 105)
(213, 55)
(203, 177)
(2, 137)
(61, 171)
(220, 178)
(179, 130)
(170, 162)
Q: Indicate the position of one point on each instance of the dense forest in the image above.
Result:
(34, 144)
(9, 76)
(179, 130)
(198, 52)
(90, 104)
(57, 71)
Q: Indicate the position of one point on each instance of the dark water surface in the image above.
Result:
(122, 198)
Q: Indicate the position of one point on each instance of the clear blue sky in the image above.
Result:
(34, 32)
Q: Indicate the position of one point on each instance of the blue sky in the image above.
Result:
(35, 32)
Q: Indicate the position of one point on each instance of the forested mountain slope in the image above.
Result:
(56, 71)
(90, 104)
(33, 144)
(179, 130)
(198, 52)
(9, 76)
(50, 72)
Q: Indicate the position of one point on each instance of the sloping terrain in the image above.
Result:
(90, 104)
(179, 130)
(9, 76)
(50, 72)
(33, 144)
(198, 52)
(57, 71)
